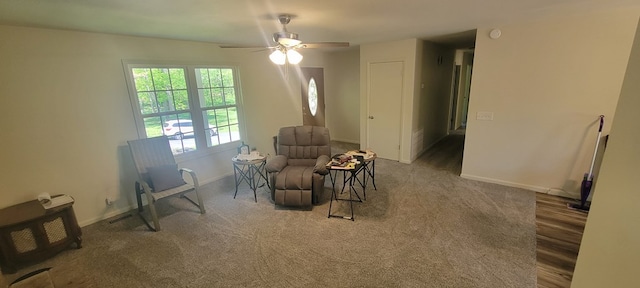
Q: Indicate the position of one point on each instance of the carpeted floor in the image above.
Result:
(423, 227)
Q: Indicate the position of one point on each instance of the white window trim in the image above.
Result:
(195, 108)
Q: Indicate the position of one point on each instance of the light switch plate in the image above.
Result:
(484, 116)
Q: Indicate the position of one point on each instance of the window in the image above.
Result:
(312, 96)
(195, 107)
(217, 97)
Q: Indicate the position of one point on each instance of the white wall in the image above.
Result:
(66, 115)
(342, 95)
(405, 51)
(545, 82)
(609, 254)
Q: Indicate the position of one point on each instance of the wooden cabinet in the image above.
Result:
(29, 232)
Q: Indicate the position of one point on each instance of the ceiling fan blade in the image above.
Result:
(241, 46)
(324, 44)
(263, 49)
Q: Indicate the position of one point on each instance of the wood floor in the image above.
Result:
(558, 233)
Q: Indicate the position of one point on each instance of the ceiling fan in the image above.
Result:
(286, 44)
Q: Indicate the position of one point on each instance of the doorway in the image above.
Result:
(461, 90)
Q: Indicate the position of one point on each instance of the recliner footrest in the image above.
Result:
(293, 197)
(293, 186)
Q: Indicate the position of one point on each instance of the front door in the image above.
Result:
(312, 96)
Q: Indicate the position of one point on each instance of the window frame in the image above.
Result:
(195, 108)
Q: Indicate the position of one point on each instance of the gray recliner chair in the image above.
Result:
(297, 171)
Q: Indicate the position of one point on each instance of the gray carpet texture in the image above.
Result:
(424, 226)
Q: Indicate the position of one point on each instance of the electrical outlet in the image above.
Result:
(484, 116)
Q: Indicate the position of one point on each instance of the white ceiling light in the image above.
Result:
(287, 43)
(282, 55)
(278, 57)
(294, 57)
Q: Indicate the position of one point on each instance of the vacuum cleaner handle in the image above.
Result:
(601, 123)
(595, 151)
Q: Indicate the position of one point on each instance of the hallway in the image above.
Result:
(558, 229)
(446, 154)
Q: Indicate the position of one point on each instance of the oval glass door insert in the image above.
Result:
(312, 96)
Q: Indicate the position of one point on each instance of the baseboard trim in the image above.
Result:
(505, 183)
(107, 215)
(562, 193)
(350, 141)
(131, 208)
(213, 179)
(538, 189)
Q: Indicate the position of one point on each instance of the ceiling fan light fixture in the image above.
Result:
(278, 57)
(289, 42)
(287, 39)
(294, 57)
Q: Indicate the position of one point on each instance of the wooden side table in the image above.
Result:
(29, 232)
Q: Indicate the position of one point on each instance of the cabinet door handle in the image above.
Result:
(370, 117)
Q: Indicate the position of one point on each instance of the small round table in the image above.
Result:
(250, 171)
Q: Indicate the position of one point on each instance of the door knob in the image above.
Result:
(370, 117)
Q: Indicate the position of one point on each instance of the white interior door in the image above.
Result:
(383, 119)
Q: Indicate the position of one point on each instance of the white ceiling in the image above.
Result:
(252, 22)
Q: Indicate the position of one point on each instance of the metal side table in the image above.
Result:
(350, 177)
(250, 172)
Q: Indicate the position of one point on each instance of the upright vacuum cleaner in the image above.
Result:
(587, 181)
